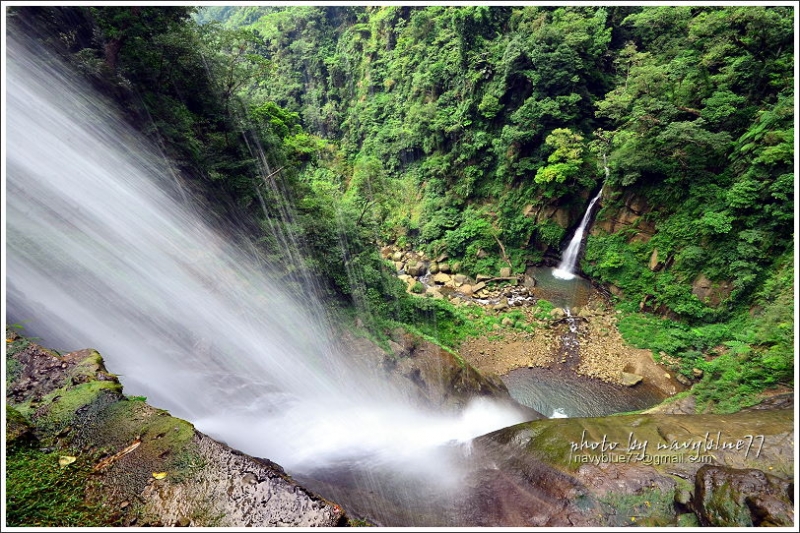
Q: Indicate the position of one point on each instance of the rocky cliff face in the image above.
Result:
(144, 466)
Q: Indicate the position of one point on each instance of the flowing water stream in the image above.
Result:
(102, 251)
(569, 259)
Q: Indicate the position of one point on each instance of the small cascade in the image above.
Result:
(569, 261)
(570, 340)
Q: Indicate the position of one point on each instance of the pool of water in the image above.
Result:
(560, 292)
(560, 393)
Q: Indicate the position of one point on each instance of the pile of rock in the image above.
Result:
(441, 278)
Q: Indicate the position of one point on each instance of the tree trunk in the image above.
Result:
(112, 49)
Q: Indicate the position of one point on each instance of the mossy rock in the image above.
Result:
(128, 463)
(18, 428)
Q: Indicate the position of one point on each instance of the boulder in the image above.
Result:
(433, 268)
(415, 268)
(441, 278)
(397, 256)
(444, 267)
(505, 272)
(621, 470)
(435, 292)
(629, 380)
(732, 497)
(710, 292)
(478, 286)
(502, 305)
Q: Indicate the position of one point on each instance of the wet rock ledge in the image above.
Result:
(141, 466)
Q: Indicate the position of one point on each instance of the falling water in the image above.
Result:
(102, 252)
(566, 269)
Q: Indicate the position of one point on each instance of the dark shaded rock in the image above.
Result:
(18, 429)
(444, 381)
(776, 401)
(730, 497)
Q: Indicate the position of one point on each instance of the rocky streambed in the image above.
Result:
(586, 326)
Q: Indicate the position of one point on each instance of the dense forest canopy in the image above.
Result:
(458, 129)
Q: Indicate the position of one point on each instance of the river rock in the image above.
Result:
(441, 278)
(629, 380)
(434, 291)
(397, 256)
(557, 313)
(415, 268)
(433, 268)
(502, 305)
(478, 286)
(459, 279)
(731, 497)
(444, 267)
(505, 272)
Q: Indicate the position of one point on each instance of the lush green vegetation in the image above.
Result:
(481, 132)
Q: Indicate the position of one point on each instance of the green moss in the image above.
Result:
(648, 508)
(13, 369)
(688, 520)
(58, 408)
(723, 509)
(187, 464)
(41, 493)
(16, 424)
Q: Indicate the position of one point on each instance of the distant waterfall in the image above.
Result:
(566, 269)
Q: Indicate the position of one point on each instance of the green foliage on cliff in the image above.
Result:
(481, 132)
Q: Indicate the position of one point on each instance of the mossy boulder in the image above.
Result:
(633, 470)
(133, 464)
(731, 497)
